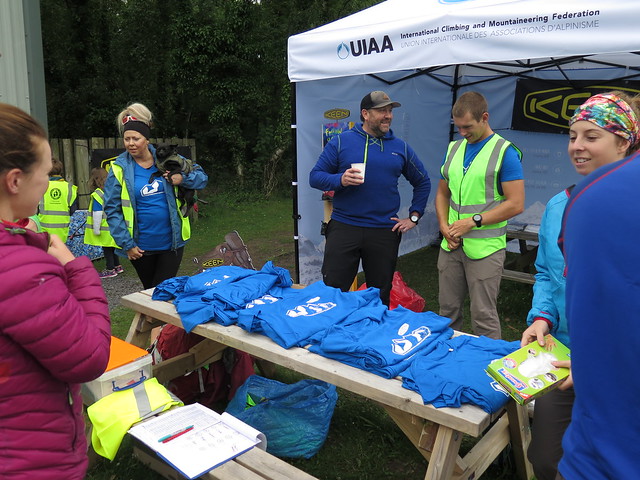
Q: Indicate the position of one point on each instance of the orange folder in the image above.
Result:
(123, 353)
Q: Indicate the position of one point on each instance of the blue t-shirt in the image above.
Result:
(511, 163)
(454, 373)
(383, 342)
(152, 211)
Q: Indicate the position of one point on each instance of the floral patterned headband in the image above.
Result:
(610, 112)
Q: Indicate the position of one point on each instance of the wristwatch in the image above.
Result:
(414, 218)
(477, 218)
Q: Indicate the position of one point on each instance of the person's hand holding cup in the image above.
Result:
(361, 169)
(353, 175)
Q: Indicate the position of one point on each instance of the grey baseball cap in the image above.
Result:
(377, 99)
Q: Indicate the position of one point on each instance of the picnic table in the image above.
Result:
(526, 256)
(255, 464)
(436, 432)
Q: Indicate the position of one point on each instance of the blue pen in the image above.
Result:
(173, 435)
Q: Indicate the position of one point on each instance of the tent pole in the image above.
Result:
(294, 182)
(454, 96)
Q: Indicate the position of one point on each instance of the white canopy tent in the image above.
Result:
(424, 53)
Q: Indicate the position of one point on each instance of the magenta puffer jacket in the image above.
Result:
(54, 334)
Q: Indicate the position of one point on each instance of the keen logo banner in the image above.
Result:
(541, 106)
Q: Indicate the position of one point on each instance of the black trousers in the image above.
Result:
(155, 267)
(347, 244)
(110, 257)
(551, 418)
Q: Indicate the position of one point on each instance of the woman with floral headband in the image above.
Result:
(603, 130)
(142, 209)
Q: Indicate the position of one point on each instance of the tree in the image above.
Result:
(213, 70)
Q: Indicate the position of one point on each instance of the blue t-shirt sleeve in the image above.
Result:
(511, 166)
(97, 207)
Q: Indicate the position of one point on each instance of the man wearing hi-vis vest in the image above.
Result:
(481, 187)
(58, 203)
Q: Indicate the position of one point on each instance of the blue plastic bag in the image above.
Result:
(294, 418)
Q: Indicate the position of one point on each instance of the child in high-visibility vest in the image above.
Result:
(97, 230)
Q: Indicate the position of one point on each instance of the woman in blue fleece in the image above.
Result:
(603, 130)
(364, 223)
(143, 211)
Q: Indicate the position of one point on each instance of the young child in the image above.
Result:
(97, 230)
(58, 203)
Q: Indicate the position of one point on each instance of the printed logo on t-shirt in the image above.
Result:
(216, 280)
(409, 341)
(264, 300)
(151, 188)
(311, 308)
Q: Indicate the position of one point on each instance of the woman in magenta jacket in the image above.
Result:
(54, 320)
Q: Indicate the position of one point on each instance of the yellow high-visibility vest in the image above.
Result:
(476, 191)
(104, 239)
(127, 208)
(114, 414)
(53, 210)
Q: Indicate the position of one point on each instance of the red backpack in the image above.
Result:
(209, 385)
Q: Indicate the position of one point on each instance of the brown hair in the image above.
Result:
(57, 168)
(470, 102)
(18, 134)
(97, 178)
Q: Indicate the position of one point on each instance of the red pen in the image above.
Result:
(176, 434)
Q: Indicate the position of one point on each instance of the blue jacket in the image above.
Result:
(373, 203)
(603, 301)
(196, 179)
(549, 289)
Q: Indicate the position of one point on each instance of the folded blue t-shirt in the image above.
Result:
(386, 344)
(454, 373)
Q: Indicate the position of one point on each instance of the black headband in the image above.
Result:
(132, 123)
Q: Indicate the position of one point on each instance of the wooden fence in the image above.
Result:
(76, 154)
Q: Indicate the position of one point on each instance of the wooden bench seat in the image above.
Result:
(255, 464)
(522, 277)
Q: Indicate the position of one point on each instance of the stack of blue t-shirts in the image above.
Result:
(216, 293)
(170, 288)
(454, 373)
(301, 314)
(384, 342)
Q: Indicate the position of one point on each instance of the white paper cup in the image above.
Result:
(361, 167)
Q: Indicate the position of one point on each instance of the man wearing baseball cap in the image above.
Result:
(364, 222)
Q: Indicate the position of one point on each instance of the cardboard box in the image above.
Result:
(527, 373)
(128, 366)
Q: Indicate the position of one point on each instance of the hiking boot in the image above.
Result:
(241, 254)
(108, 273)
(119, 269)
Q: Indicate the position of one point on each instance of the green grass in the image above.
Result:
(363, 442)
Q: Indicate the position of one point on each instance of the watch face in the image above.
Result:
(414, 218)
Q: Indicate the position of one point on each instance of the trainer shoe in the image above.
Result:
(108, 273)
(119, 269)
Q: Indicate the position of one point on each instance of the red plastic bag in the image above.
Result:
(402, 294)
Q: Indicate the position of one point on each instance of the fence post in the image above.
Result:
(192, 143)
(66, 154)
(82, 172)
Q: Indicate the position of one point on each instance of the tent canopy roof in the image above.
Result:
(508, 35)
